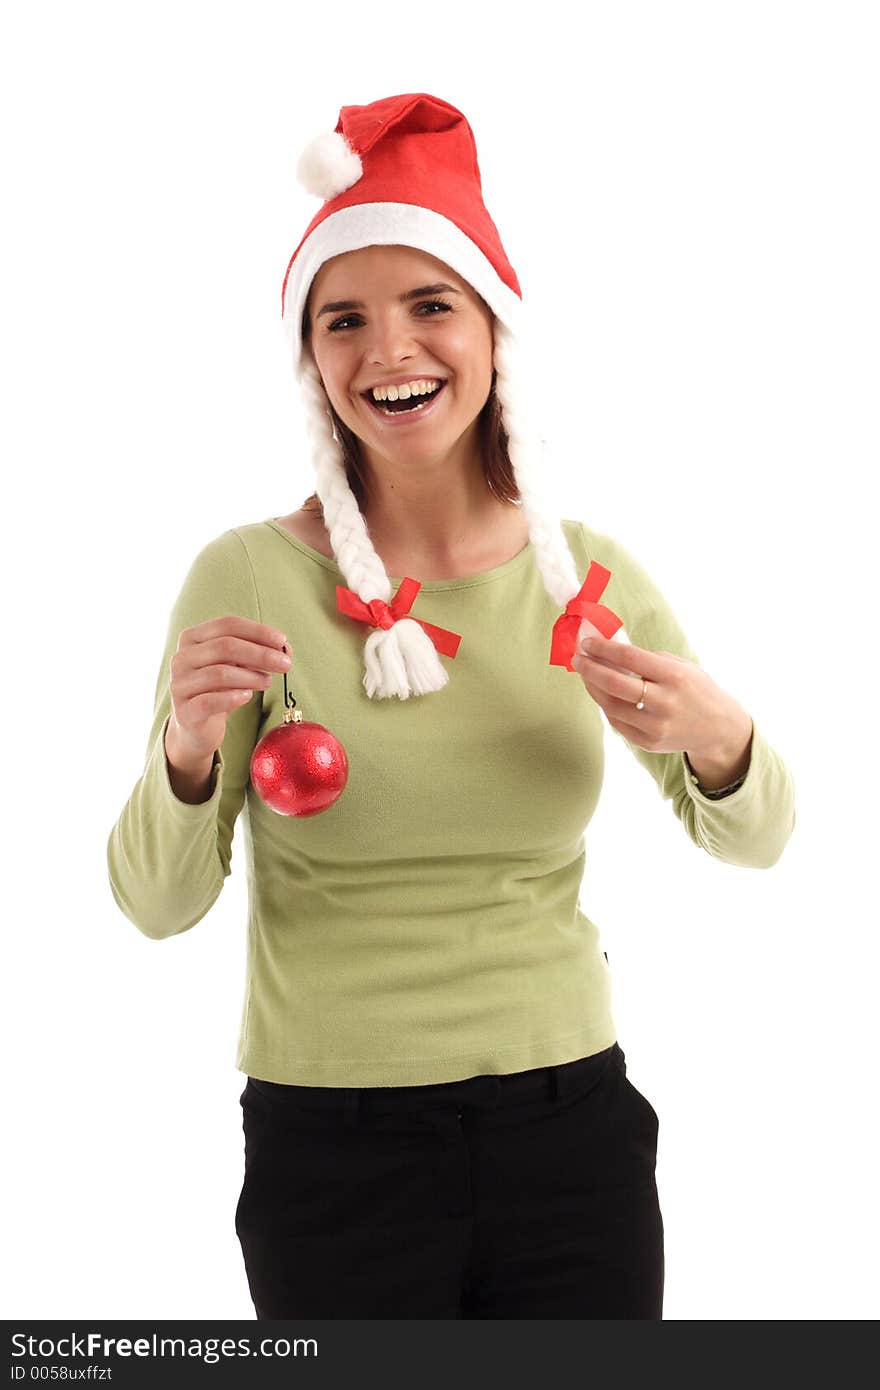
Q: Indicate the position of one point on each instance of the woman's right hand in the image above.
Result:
(217, 667)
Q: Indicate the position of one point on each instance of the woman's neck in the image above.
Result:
(467, 538)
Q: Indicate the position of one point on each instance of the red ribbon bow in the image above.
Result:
(381, 614)
(585, 604)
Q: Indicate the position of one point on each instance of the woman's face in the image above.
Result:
(392, 337)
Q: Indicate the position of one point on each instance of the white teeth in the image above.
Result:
(403, 393)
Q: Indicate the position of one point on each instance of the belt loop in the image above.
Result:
(555, 1083)
(352, 1096)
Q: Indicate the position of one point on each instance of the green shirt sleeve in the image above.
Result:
(752, 825)
(167, 858)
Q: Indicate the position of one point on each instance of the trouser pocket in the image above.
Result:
(648, 1111)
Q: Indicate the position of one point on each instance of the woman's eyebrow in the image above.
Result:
(337, 305)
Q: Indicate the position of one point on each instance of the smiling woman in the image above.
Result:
(472, 449)
(418, 293)
(398, 337)
(425, 998)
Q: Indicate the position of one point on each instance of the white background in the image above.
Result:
(688, 192)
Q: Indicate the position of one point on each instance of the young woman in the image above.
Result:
(437, 1116)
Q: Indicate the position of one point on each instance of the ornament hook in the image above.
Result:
(291, 715)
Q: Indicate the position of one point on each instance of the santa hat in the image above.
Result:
(403, 171)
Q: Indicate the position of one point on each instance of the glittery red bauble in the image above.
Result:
(299, 768)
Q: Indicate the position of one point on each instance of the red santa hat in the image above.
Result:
(404, 171)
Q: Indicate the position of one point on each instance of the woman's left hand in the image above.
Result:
(685, 711)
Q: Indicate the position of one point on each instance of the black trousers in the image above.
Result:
(529, 1195)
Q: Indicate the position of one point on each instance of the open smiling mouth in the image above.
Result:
(399, 410)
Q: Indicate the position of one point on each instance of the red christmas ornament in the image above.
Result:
(299, 768)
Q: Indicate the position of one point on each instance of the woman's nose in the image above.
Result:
(389, 342)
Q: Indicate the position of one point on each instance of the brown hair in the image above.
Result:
(497, 467)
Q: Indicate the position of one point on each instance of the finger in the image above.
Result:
(612, 683)
(215, 677)
(237, 650)
(215, 701)
(248, 629)
(622, 654)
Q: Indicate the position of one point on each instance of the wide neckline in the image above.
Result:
(462, 581)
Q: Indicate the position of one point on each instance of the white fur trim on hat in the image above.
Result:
(328, 165)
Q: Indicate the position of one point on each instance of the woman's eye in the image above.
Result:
(425, 304)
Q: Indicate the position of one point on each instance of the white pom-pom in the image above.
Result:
(328, 165)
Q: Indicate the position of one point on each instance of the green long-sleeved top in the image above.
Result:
(426, 927)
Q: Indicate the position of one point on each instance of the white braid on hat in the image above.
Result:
(402, 660)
